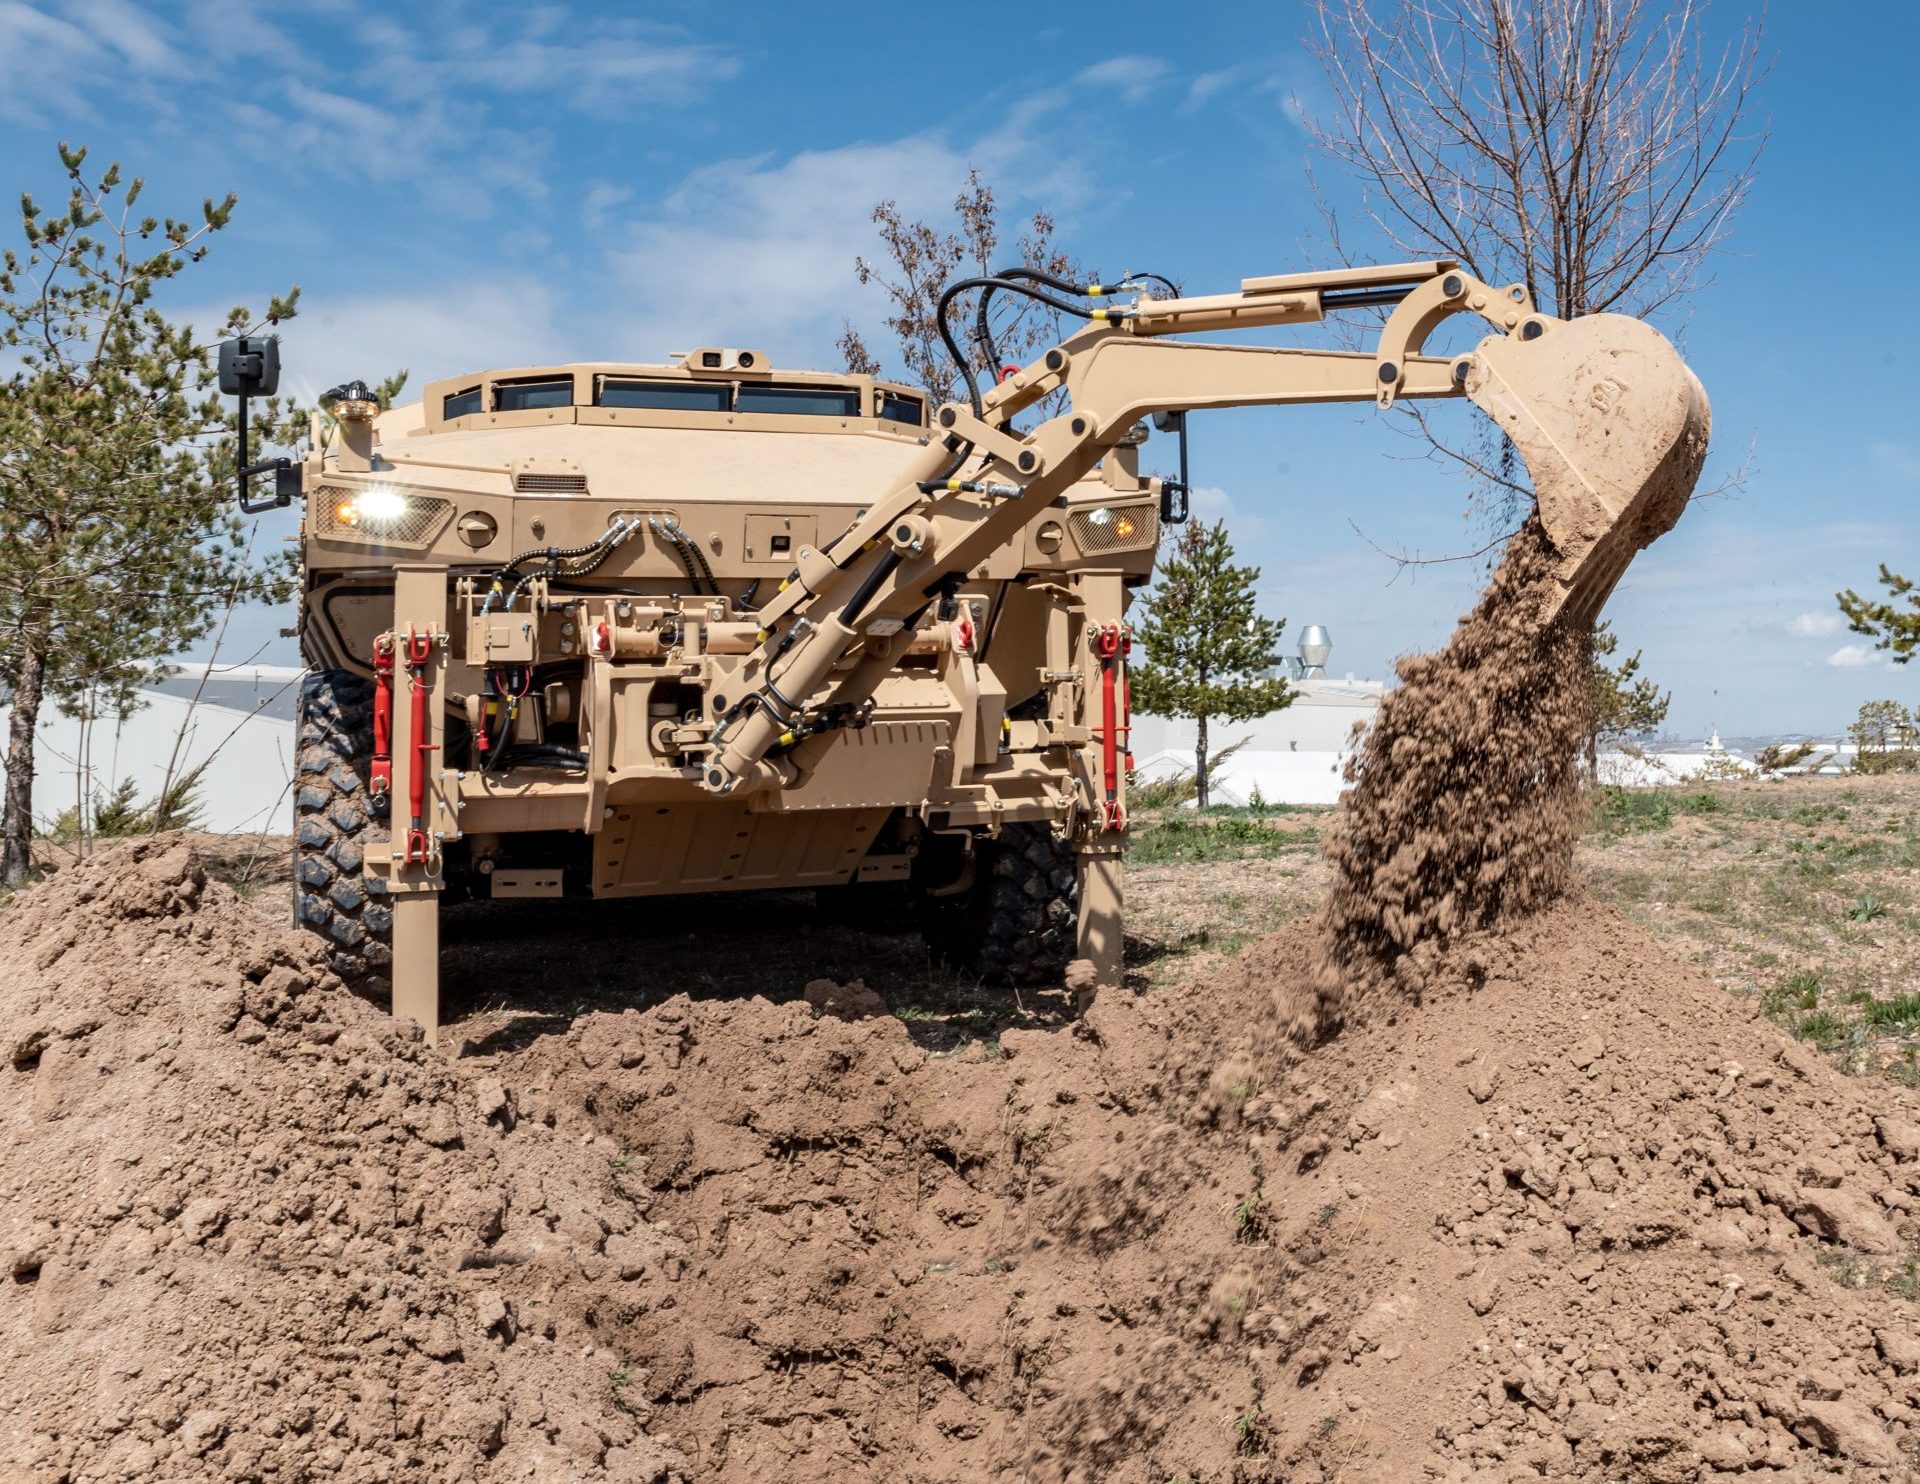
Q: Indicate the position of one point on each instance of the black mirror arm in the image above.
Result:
(245, 475)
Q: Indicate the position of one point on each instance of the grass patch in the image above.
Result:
(1801, 992)
(1213, 836)
(1621, 811)
(1901, 1013)
(1822, 1027)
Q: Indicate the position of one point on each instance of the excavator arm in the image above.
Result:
(1610, 423)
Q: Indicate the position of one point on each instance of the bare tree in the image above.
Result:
(1594, 150)
(923, 259)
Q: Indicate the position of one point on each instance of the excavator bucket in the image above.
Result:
(1613, 428)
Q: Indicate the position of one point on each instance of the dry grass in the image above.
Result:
(1798, 893)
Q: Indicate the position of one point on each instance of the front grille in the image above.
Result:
(1093, 536)
(416, 525)
(550, 484)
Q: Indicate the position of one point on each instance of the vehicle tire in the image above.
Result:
(334, 824)
(1018, 923)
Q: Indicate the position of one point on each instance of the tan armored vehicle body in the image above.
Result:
(575, 689)
(628, 631)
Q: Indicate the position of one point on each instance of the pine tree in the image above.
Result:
(1207, 649)
(117, 529)
(1892, 627)
(1625, 702)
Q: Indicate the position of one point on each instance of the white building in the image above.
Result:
(242, 726)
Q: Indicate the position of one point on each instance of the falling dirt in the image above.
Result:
(1503, 1192)
(1466, 793)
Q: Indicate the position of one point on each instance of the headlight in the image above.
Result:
(373, 509)
(1105, 529)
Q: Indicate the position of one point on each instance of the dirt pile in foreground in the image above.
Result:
(252, 1229)
(1577, 1216)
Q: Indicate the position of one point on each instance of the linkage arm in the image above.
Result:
(895, 560)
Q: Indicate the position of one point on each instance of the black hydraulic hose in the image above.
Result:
(1332, 299)
(539, 755)
(982, 333)
(870, 584)
(687, 554)
(954, 290)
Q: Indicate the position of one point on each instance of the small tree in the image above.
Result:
(923, 259)
(1625, 702)
(1206, 647)
(1890, 626)
(1885, 734)
(117, 530)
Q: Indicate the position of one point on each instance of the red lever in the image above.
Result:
(1110, 643)
(419, 652)
(380, 772)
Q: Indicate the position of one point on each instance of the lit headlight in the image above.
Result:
(1112, 524)
(372, 509)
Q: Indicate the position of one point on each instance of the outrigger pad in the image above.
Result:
(1613, 428)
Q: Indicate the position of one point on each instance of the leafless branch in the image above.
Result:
(1595, 151)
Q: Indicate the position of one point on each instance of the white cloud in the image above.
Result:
(1210, 502)
(1855, 657)
(48, 61)
(1208, 85)
(1134, 77)
(760, 253)
(1815, 625)
(473, 326)
(602, 196)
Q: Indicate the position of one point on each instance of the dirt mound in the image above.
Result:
(253, 1230)
(1583, 1216)
(1578, 1216)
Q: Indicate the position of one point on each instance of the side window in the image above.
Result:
(899, 409)
(806, 401)
(461, 403)
(664, 396)
(532, 396)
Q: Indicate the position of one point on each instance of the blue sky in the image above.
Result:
(459, 186)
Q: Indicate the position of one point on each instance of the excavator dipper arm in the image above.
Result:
(1610, 422)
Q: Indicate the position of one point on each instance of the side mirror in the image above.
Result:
(1174, 493)
(250, 366)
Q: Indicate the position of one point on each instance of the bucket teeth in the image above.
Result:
(1613, 429)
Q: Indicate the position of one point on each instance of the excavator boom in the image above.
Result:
(1609, 421)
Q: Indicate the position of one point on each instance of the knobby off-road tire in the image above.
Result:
(1018, 924)
(333, 827)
